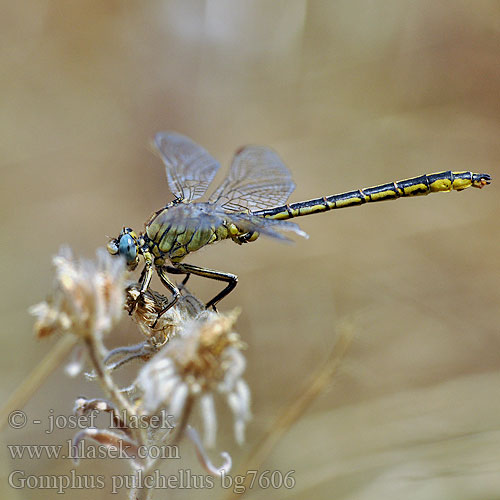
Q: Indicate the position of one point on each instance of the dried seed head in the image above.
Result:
(147, 309)
(205, 358)
(88, 296)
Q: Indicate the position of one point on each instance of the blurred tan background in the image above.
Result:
(351, 94)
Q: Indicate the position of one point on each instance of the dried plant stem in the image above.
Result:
(291, 414)
(38, 375)
(96, 351)
(141, 493)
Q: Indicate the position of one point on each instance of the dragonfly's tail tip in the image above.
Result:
(486, 178)
(481, 180)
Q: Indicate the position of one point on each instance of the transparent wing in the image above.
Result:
(257, 179)
(190, 168)
(188, 215)
(267, 227)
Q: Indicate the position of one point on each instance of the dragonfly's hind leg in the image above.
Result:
(174, 270)
(230, 279)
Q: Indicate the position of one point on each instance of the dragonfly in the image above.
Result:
(251, 201)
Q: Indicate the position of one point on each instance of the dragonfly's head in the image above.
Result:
(127, 246)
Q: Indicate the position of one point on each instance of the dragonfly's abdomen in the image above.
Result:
(422, 185)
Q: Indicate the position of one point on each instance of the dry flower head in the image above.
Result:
(205, 358)
(88, 296)
(147, 310)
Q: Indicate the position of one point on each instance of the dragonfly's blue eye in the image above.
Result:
(128, 248)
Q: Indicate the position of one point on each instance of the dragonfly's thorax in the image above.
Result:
(181, 228)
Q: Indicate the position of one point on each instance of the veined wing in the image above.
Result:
(257, 179)
(267, 227)
(191, 216)
(190, 168)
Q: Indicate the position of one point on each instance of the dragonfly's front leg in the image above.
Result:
(146, 274)
(144, 281)
(142, 276)
(230, 279)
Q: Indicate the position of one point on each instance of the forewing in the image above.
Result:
(267, 227)
(190, 168)
(258, 179)
(189, 215)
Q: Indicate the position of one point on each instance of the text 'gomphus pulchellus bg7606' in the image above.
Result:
(250, 201)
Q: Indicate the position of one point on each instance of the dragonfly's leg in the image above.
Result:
(146, 275)
(230, 279)
(143, 273)
(144, 280)
(175, 292)
(174, 270)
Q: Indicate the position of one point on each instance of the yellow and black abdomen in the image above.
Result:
(416, 186)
